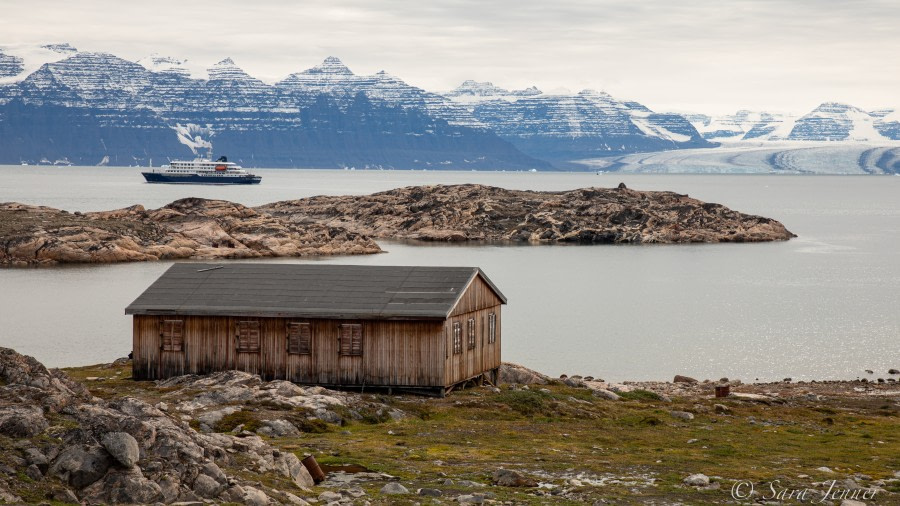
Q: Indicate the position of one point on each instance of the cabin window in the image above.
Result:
(172, 335)
(470, 334)
(248, 337)
(492, 328)
(351, 340)
(299, 339)
(457, 338)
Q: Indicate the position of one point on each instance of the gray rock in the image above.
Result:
(278, 428)
(697, 480)
(893, 371)
(212, 470)
(34, 473)
(207, 487)
(291, 466)
(682, 415)
(354, 492)
(123, 486)
(22, 421)
(470, 484)
(329, 496)
(296, 501)
(80, 466)
(64, 496)
(255, 497)
(211, 418)
(33, 456)
(574, 381)
(851, 502)
(430, 492)
(603, 393)
(470, 499)
(824, 469)
(394, 488)
(684, 379)
(123, 447)
(514, 373)
(722, 409)
(510, 478)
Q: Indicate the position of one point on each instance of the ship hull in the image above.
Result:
(155, 177)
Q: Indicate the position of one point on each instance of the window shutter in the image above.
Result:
(492, 328)
(299, 339)
(172, 335)
(248, 336)
(356, 341)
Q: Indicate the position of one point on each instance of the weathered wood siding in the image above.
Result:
(477, 301)
(395, 353)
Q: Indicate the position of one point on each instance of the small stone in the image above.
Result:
(721, 409)
(394, 488)
(430, 492)
(697, 480)
(723, 380)
(824, 469)
(575, 482)
(682, 415)
(893, 371)
(33, 472)
(787, 380)
(354, 492)
(510, 478)
(207, 487)
(692, 441)
(470, 499)
(329, 496)
(683, 379)
(162, 406)
(851, 502)
(255, 497)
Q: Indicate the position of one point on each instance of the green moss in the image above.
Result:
(229, 422)
(526, 402)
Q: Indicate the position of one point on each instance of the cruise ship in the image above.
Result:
(201, 171)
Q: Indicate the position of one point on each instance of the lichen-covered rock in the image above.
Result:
(80, 466)
(470, 212)
(22, 421)
(510, 478)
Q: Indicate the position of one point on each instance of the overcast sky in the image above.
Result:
(711, 56)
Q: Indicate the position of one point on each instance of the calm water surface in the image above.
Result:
(822, 306)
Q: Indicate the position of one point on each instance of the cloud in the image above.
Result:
(702, 54)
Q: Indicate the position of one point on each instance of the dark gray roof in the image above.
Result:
(307, 290)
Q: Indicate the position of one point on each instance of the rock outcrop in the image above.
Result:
(186, 228)
(329, 225)
(85, 449)
(473, 212)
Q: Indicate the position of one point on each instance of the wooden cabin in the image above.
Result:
(404, 328)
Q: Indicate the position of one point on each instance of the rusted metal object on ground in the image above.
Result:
(723, 390)
(315, 471)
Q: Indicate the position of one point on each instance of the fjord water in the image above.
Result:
(821, 306)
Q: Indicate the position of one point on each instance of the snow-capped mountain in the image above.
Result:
(567, 128)
(830, 121)
(89, 107)
(58, 103)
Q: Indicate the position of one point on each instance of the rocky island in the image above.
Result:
(93, 435)
(329, 225)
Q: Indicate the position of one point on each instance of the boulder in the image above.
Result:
(207, 487)
(255, 497)
(722, 409)
(123, 447)
(510, 478)
(80, 466)
(430, 492)
(697, 480)
(603, 393)
(682, 415)
(291, 466)
(684, 379)
(123, 486)
(278, 428)
(515, 373)
(22, 421)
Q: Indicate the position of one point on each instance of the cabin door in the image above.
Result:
(247, 341)
(171, 348)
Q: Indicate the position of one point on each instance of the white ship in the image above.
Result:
(201, 171)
